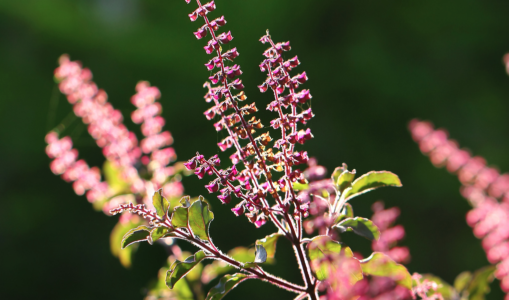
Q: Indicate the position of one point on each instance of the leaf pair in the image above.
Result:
(350, 188)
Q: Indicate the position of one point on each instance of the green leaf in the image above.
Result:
(135, 235)
(226, 284)
(300, 186)
(480, 284)
(269, 243)
(346, 213)
(462, 280)
(260, 257)
(116, 236)
(320, 248)
(379, 264)
(199, 218)
(337, 172)
(344, 180)
(113, 176)
(179, 269)
(370, 181)
(180, 217)
(160, 232)
(160, 203)
(361, 226)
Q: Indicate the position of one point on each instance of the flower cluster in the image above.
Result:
(64, 163)
(258, 158)
(120, 146)
(482, 186)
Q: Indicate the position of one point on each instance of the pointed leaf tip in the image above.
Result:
(180, 269)
(135, 235)
(160, 203)
(226, 284)
(370, 181)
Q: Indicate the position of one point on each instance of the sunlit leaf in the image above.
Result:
(480, 284)
(135, 235)
(361, 226)
(226, 284)
(179, 269)
(260, 257)
(337, 172)
(180, 217)
(160, 203)
(371, 181)
(199, 218)
(116, 236)
(113, 176)
(379, 264)
(160, 232)
(347, 212)
(323, 247)
(344, 180)
(300, 186)
(462, 280)
(269, 243)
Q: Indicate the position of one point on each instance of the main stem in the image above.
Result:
(259, 273)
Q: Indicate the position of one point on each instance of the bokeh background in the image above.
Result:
(373, 66)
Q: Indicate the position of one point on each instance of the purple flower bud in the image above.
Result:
(285, 46)
(210, 113)
(238, 209)
(214, 160)
(211, 6)
(201, 33)
(191, 164)
(225, 37)
(194, 15)
(225, 144)
(238, 191)
(265, 39)
(225, 197)
(231, 54)
(302, 96)
(218, 126)
(208, 49)
(263, 87)
(237, 84)
(220, 21)
(200, 172)
(232, 71)
(235, 158)
(260, 222)
(301, 78)
(213, 186)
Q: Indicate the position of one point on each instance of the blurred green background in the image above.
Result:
(373, 66)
